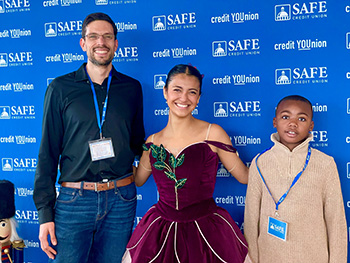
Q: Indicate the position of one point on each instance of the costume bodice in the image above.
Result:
(187, 178)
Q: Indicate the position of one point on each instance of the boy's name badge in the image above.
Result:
(101, 149)
(277, 228)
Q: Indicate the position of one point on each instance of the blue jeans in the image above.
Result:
(93, 226)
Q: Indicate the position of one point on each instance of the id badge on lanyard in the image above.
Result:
(102, 148)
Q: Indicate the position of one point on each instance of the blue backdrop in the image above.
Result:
(251, 52)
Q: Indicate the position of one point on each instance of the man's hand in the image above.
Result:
(47, 229)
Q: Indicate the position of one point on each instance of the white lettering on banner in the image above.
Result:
(17, 33)
(24, 162)
(122, 27)
(308, 44)
(50, 3)
(24, 191)
(181, 52)
(4, 34)
(24, 216)
(54, 58)
(21, 57)
(319, 108)
(347, 9)
(245, 140)
(70, 26)
(223, 80)
(245, 106)
(243, 45)
(347, 139)
(70, 2)
(302, 44)
(320, 136)
(165, 112)
(31, 243)
(17, 3)
(181, 19)
(348, 75)
(23, 110)
(220, 19)
(5, 87)
(69, 57)
(241, 17)
(18, 139)
(237, 17)
(10, 139)
(309, 75)
(126, 52)
(310, 8)
(240, 200)
(161, 54)
(225, 200)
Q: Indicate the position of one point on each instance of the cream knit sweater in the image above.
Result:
(313, 209)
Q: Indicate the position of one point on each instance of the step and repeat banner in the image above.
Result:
(252, 53)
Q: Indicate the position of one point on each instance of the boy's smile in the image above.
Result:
(293, 122)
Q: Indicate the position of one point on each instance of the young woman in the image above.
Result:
(186, 225)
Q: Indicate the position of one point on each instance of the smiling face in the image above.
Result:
(293, 122)
(100, 50)
(182, 94)
(5, 230)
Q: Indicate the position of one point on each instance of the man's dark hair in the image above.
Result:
(98, 16)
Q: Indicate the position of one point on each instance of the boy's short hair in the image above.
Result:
(297, 98)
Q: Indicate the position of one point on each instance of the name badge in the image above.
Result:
(277, 228)
(101, 149)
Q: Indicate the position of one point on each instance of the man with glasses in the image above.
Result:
(92, 130)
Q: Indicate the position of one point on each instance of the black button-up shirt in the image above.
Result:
(69, 123)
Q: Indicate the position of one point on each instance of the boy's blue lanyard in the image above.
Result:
(99, 121)
(293, 183)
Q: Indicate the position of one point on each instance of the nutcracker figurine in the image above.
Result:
(11, 244)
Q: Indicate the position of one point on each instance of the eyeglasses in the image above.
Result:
(94, 37)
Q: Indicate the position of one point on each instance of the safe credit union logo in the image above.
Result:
(220, 109)
(159, 81)
(12, 6)
(282, 12)
(249, 108)
(300, 75)
(301, 11)
(283, 76)
(236, 47)
(3, 60)
(50, 29)
(219, 48)
(174, 21)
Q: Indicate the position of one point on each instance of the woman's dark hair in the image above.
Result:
(98, 16)
(184, 69)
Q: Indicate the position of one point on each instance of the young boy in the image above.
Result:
(294, 209)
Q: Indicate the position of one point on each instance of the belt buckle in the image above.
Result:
(96, 190)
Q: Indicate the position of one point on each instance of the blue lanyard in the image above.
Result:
(294, 181)
(99, 121)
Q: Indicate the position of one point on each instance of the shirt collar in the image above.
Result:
(82, 76)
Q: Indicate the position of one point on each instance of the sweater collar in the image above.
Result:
(275, 138)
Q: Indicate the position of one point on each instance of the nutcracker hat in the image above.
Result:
(7, 199)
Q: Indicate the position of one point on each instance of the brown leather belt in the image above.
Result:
(100, 186)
